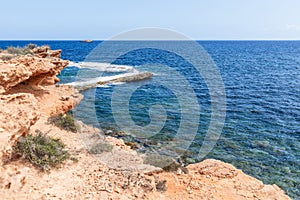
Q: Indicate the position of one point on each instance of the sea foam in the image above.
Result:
(104, 67)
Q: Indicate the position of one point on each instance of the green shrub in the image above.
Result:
(13, 50)
(64, 121)
(31, 46)
(19, 51)
(166, 163)
(161, 185)
(41, 150)
(100, 148)
(7, 57)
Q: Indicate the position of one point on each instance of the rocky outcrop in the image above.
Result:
(216, 180)
(30, 70)
(45, 51)
(86, 41)
(17, 114)
(27, 91)
(130, 77)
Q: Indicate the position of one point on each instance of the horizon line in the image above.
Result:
(78, 39)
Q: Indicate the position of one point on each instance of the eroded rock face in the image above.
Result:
(44, 51)
(29, 70)
(27, 91)
(17, 114)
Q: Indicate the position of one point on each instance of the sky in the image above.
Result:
(197, 19)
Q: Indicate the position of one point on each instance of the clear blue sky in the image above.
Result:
(198, 19)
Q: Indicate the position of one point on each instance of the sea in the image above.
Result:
(260, 133)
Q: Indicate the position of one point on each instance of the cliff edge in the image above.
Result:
(29, 96)
(28, 90)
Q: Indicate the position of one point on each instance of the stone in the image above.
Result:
(28, 70)
(17, 114)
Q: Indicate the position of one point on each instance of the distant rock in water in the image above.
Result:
(86, 41)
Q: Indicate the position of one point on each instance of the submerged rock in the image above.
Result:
(129, 78)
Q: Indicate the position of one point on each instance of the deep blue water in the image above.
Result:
(261, 134)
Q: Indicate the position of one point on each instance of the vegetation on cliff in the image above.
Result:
(64, 121)
(41, 150)
(21, 50)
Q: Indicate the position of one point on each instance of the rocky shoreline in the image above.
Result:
(29, 96)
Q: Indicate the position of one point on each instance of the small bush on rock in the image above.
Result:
(64, 121)
(31, 46)
(166, 163)
(41, 150)
(161, 185)
(100, 148)
(7, 57)
(19, 51)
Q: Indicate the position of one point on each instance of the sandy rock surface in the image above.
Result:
(215, 180)
(17, 114)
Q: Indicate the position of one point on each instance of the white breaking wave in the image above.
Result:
(103, 67)
(74, 64)
(110, 84)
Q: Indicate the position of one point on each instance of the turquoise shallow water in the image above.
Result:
(261, 134)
